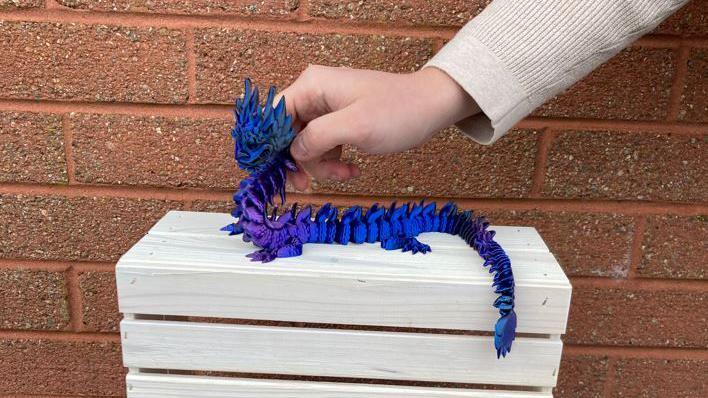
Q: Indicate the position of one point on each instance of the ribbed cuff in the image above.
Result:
(497, 92)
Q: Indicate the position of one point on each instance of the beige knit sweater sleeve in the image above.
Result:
(517, 54)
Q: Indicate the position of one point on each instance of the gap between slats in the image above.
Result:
(334, 326)
(154, 383)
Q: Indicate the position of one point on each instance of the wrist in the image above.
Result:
(447, 98)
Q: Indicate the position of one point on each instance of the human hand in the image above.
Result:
(376, 112)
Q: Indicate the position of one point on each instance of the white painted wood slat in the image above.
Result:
(185, 266)
(170, 386)
(337, 353)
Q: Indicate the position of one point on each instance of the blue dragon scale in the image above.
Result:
(262, 137)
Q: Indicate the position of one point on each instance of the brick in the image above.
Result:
(99, 301)
(31, 148)
(401, 12)
(694, 99)
(628, 316)
(33, 299)
(623, 165)
(691, 20)
(674, 247)
(634, 85)
(659, 378)
(161, 151)
(92, 63)
(574, 238)
(225, 57)
(84, 228)
(581, 377)
(46, 367)
(275, 8)
(502, 170)
(18, 4)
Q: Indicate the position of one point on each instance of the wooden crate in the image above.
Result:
(185, 267)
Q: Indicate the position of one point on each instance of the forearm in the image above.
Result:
(517, 54)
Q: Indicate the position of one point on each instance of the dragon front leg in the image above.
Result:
(407, 244)
(291, 248)
(415, 246)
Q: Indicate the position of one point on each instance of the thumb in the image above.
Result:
(325, 133)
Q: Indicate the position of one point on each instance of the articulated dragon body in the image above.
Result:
(262, 138)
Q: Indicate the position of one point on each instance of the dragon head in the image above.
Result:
(262, 135)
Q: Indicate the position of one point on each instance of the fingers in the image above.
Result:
(322, 170)
(299, 180)
(328, 132)
(332, 170)
(304, 99)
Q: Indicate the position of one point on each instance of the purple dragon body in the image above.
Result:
(262, 138)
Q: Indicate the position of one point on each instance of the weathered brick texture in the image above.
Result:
(32, 148)
(674, 247)
(404, 12)
(46, 367)
(99, 301)
(691, 20)
(638, 317)
(503, 170)
(20, 4)
(627, 166)
(84, 228)
(634, 85)
(694, 101)
(277, 8)
(658, 378)
(33, 299)
(581, 377)
(161, 151)
(573, 238)
(54, 61)
(226, 56)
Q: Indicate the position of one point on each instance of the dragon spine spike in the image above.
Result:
(262, 138)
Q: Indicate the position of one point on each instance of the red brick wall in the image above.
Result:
(114, 111)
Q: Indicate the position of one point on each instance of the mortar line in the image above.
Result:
(73, 290)
(303, 11)
(618, 126)
(52, 4)
(68, 149)
(636, 352)
(438, 44)
(609, 386)
(629, 207)
(678, 84)
(224, 111)
(640, 224)
(289, 24)
(545, 140)
(55, 265)
(57, 396)
(580, 281)
(233, 21)
(694, 285)
(193, 111)
(66, 336)
(630, 352)
(191, 67)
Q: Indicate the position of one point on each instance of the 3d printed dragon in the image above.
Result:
(262, 138)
